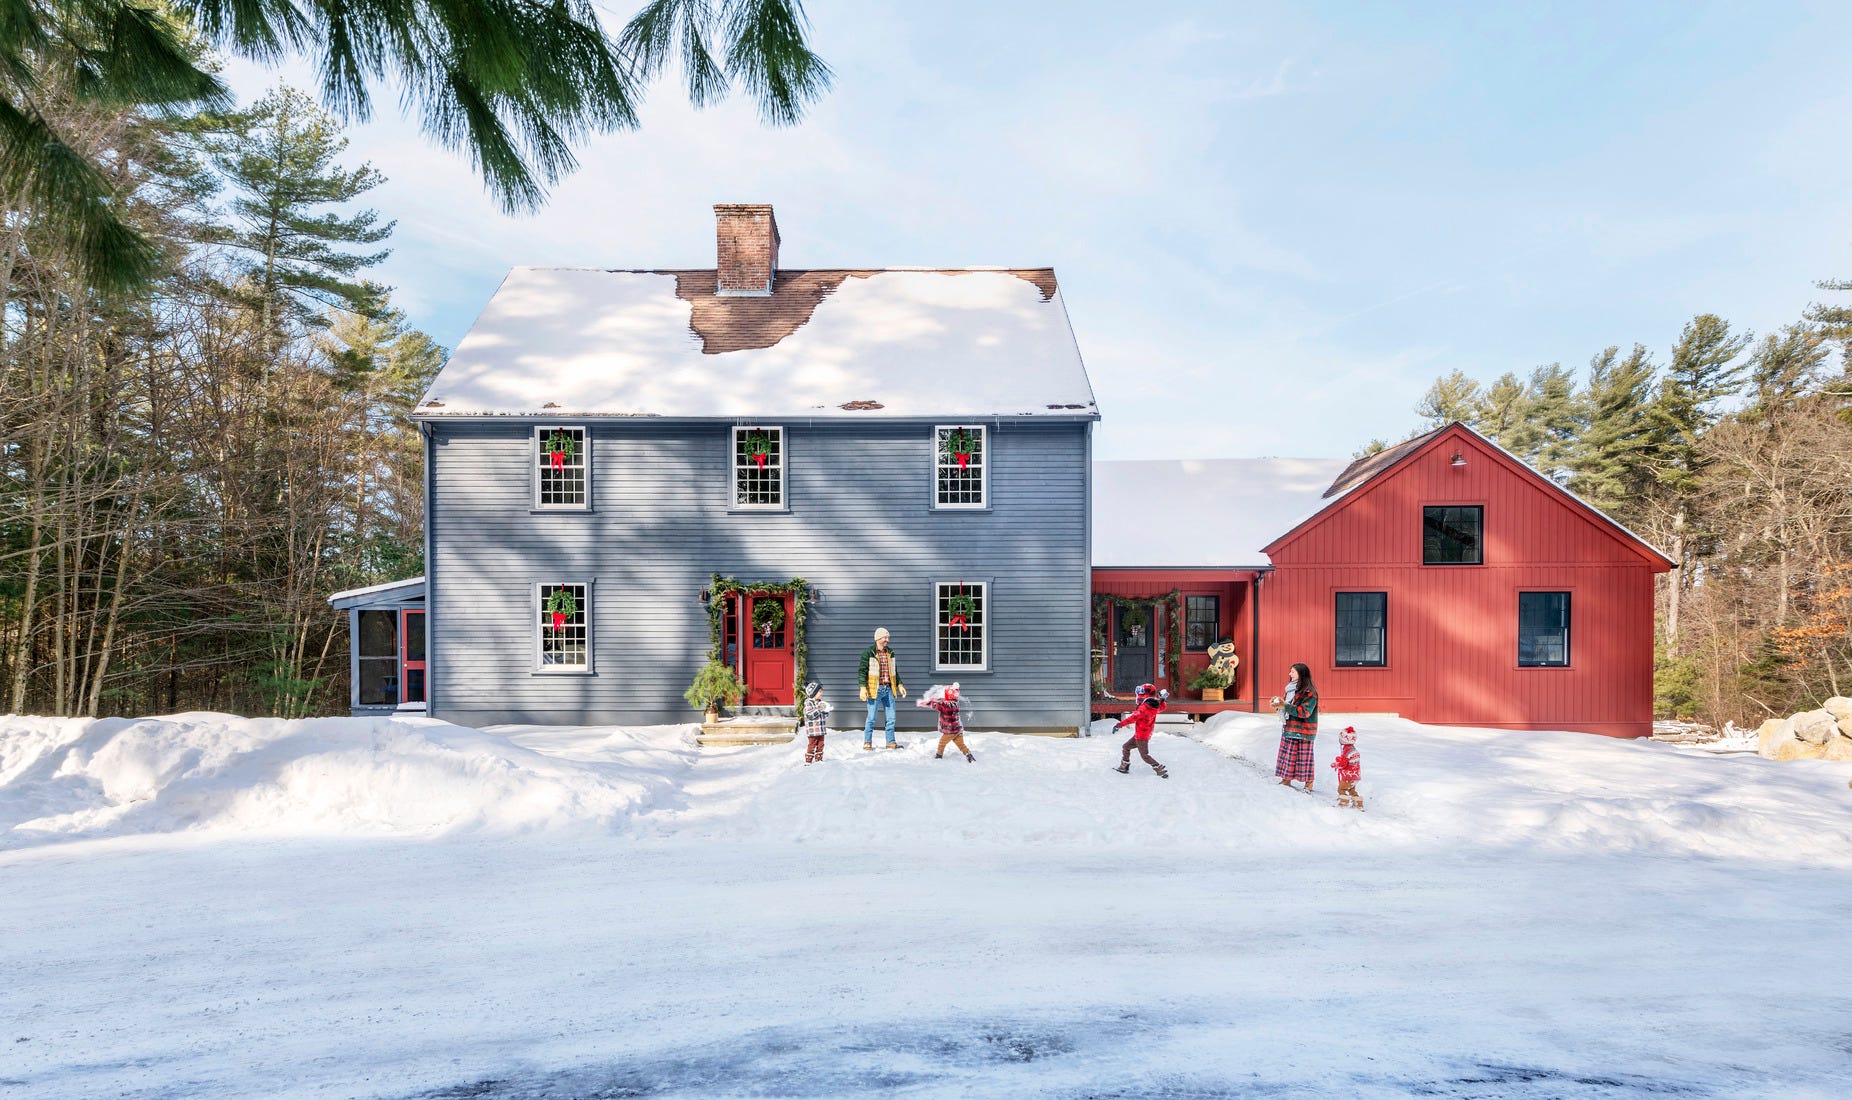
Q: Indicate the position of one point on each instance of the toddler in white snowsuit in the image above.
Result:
(816, 721)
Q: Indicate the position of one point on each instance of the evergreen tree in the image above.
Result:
(1544, 421)
(1613, 460)
(1455, 397)
(513, 85)
(280, 159)
(1500, 411)
(1704, 371)
(1786, 367)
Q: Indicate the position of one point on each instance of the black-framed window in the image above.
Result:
(1202, 622)
(1362, 629)
(1453, 534)
(1543, 629)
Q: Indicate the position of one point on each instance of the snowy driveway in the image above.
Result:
(1499, 924)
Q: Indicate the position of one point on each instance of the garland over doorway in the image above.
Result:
(797, 588)
(1103, 605)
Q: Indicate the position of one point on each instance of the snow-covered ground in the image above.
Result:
(205, 906)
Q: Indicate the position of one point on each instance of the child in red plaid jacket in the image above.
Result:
(1349, 768)
(951, 729)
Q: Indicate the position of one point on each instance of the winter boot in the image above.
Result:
(895, 745)
(938, 756)
(969, 759)
(868, 746)
(1163, 772)
(1124, 768)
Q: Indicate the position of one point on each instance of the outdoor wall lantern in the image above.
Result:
(704, 597)
(1458, 459)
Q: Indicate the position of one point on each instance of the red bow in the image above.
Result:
(559, 459)
(559, 619)
(959, 622)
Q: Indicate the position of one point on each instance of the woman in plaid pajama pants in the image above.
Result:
(1299, 725)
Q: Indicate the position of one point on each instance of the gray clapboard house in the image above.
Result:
(912, 444)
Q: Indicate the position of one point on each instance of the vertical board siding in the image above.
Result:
(1453, 630)
(860, 528)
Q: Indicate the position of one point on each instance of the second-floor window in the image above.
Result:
(758, 467)
(960, 467)
(562, 459)
(1453, 534)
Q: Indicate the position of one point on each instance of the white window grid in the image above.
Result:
(565, 487)
(756, 486)
(953, 486)
(568, 649)
(961, 647)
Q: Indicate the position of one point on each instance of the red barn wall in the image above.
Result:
(1452, 638)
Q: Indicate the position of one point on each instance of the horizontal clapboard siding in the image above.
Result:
(860, 528)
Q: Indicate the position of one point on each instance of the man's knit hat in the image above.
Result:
(881, 633)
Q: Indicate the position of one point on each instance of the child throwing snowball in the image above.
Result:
(816, 721)
(1349, 768)
(1144, 716)
(951, 727)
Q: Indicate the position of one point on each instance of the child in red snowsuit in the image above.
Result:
(1151, 703)
(1349, 768)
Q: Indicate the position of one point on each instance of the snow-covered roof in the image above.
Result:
(391, 591)
(1209, 512)
(843, 343)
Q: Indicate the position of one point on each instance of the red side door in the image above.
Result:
(770, 664)
(411, 656)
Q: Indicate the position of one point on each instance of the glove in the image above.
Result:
(863, 692)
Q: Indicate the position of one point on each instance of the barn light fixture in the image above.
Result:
(1458, 459)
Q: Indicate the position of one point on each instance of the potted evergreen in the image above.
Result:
(713, 685)
(1212, 681)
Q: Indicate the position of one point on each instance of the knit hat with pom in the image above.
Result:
(1349, 736)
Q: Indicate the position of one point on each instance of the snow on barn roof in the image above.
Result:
(1215, 512)
(556, 341)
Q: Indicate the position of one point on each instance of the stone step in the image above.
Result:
(748, 729)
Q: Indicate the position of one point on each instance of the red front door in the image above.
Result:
(411, 656)
(770, 666)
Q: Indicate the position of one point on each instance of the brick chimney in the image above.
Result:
(747, 253)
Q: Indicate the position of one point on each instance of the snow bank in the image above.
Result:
(1567, 791)
(76, 778)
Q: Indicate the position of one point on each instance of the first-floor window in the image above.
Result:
(1543, 629)
(1202, 622)
(1362, 624)
(962, 633)
(564, 626)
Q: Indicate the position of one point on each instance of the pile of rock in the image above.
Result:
(1824, 734)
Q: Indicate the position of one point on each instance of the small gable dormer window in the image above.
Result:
(1453, 535)
(759, 468)
(961, 468)
(562, 465)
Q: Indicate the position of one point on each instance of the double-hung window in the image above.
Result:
(759, 468)
(1453, 534)
(563, 627)
(562, 462)
(961, 626)
(1543, 629)
(961, 467)
(1362, 629)
(1202, 622)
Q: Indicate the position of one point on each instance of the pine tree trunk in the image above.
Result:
(1675, 583)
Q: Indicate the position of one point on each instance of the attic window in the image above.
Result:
(759, 468)
(1453, 534)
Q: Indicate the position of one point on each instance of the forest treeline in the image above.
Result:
(1732, 455)
(191, 466)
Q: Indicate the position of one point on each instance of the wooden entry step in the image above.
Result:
(749, 729)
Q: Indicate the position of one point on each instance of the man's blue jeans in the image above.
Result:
(885, 698)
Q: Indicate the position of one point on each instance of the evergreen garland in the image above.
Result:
(1103, 603)
(562, 443)
(797, 588)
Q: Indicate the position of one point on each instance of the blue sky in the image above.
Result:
(1274, 224)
